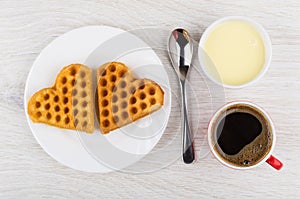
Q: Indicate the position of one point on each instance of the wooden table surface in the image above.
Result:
(26, 171)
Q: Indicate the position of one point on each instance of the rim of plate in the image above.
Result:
(29, 76)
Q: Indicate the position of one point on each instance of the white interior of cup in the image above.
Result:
(202, 56)
(216, 117)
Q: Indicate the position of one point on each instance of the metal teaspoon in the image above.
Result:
(180, 50)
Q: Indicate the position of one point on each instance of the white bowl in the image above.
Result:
(266, 40)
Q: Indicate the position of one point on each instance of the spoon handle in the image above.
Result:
(188, 147)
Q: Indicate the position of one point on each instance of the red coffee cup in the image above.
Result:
(249, 108)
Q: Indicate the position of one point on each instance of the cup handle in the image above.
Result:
(274, 162)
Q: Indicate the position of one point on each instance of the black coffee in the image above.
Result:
(243, 135)
(236, 130)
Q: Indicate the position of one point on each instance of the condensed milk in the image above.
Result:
(234, 51)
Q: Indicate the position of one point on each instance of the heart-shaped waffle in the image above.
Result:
(123, 99)
(69, 103)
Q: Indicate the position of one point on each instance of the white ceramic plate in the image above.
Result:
(80, 46)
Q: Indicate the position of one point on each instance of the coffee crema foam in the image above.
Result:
(256, 150)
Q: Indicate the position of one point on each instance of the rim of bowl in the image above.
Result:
(262, 32)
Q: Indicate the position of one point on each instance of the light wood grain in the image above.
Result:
(26, 171)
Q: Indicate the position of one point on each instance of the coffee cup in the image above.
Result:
(241, 135)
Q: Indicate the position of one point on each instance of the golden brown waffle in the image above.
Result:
(69, 103)
(123, 99)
